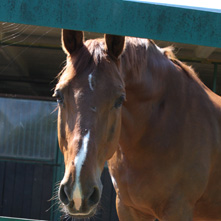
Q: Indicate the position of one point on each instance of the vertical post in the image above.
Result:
(1, 33)
(214, 77)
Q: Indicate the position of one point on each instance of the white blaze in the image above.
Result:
(90, 81)
(114, 181)
(78, 162)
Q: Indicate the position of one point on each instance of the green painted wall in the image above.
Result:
(119, 17)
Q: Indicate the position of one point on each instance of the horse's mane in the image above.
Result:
(145, 49)
(86, 58)
(168, 52)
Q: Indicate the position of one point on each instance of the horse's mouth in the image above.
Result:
(80, 214)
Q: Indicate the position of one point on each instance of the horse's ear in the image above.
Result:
(71, 40)
(114, 44)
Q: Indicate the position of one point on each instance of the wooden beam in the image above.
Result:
(14, 58)
(204, 52)
(121, 17)
(1, 32)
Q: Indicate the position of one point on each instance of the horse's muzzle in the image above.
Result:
(79, 205)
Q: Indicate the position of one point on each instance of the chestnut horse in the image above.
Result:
(128, 102)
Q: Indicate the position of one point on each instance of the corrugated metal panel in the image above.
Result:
(27, 129)
(25, 190)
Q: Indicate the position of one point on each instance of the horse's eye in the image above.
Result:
(119, 101)
(59, 96)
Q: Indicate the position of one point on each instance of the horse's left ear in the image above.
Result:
(114, 44)
(71, 40)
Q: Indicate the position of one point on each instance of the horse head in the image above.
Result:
(90, 92)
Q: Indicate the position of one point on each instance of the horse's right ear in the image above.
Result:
(71, 40)
(114, 44)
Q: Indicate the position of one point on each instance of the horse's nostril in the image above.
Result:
(94, 197)
(63, 195)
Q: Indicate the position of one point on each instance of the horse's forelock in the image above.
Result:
(87, 58)
(65, 76)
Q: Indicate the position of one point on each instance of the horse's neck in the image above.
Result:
(146, 71)
(144, 67)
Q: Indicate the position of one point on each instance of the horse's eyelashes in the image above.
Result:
(119, 101)
(59, 96)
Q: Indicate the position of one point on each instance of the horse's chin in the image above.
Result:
(81, 215)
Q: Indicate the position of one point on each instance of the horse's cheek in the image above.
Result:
(61, 135)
